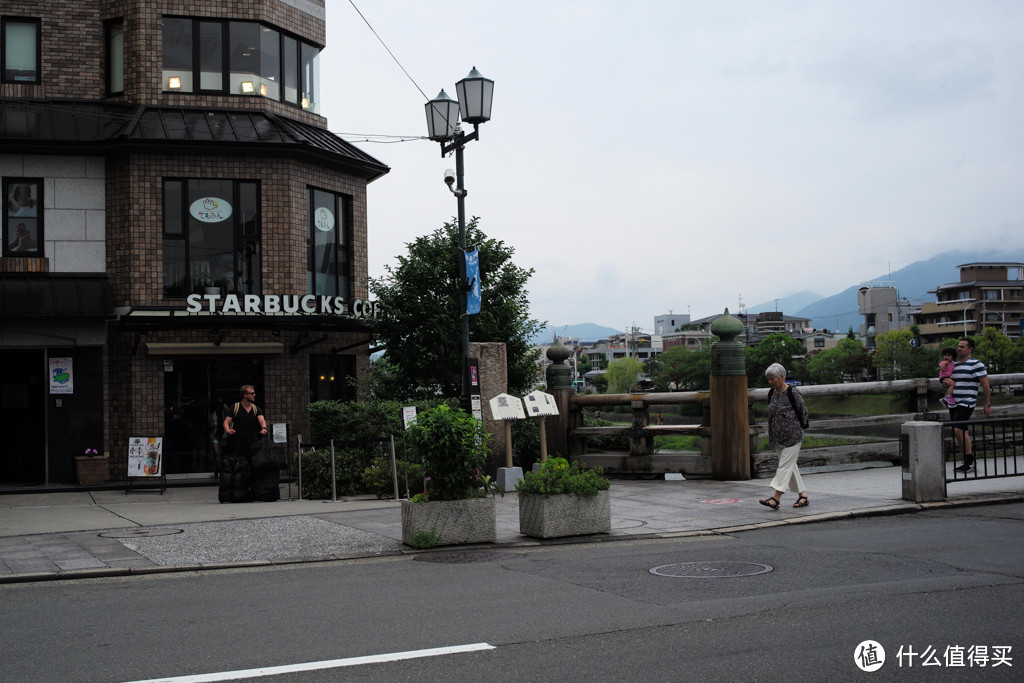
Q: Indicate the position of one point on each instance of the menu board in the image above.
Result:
(145, 456)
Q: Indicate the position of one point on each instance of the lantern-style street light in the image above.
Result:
(474, 105)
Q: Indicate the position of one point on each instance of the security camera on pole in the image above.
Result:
(474, 104)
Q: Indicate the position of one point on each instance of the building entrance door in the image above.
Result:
(22, 417)
(197, 394)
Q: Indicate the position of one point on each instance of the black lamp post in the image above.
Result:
(474, 105)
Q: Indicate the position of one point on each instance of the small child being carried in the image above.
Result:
(946, 376)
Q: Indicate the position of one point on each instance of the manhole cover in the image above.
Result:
(140, 533)
(711, 570)
(465, 557)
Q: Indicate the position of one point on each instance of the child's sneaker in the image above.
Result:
(948, 401)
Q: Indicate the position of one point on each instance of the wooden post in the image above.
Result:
(543, 440)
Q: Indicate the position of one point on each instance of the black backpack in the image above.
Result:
(804, 421)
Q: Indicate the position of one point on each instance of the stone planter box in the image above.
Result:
(91, 471)
(564, 514)
(472, 520)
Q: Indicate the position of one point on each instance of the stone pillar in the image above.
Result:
(559, 379)
(493, 381)
(924, 469)
(730, 421)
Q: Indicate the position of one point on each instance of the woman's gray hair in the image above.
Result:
(775, 370)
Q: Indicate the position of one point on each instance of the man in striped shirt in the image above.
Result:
(970, 375)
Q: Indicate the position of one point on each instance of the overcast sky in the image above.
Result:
(649, 156)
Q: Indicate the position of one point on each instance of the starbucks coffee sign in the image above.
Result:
(279, 304)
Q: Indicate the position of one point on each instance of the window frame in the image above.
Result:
(37, 22)
(296, 76)
(9, 218)
(247, 242)
(108, 33)
(343, 251)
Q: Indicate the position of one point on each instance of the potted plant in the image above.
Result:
(91, 468)
(453, 507)
(563, 500)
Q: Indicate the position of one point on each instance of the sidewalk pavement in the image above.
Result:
(84, 534)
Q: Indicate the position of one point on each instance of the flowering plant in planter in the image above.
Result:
(453, 446)
(91, 452)
(558, 475)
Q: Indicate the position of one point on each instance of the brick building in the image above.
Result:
(178, 221)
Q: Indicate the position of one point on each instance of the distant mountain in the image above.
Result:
(790, 303)
(585, 332)
(839, 312)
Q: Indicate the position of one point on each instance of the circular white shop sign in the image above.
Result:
(210, 210)
(323, 219)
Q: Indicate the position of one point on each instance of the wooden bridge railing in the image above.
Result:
(641, 432)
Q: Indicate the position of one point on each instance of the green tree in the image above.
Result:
(841, 363)
(622, 375)
(775, 348)
(893, 353)
(681, 369)
(419, 321)
(995, 350)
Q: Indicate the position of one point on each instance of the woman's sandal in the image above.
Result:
(769, 502)
(801, 502)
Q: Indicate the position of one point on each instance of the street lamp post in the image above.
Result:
(474, 105)
(965, 316)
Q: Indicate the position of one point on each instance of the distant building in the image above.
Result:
(757, 326)
(987, 295)
(883, 310)
(669, 322)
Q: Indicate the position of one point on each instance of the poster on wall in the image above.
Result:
(62, 376)
(145, 456)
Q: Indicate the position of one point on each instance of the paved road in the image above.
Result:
(946, 579)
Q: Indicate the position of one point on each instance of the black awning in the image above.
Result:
(34, 125)
(39, 294)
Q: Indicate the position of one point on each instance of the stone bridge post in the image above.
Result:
(730, 417)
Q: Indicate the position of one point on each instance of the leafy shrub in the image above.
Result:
(452, 445)
(378, 479)
(557, 476)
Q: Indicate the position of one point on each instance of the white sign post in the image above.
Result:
(539, 404)
(506, 408)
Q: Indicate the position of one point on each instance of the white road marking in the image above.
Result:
(327, 664)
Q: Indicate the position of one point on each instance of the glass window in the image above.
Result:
(115, 57)
(270, 63)
(23, 217)
(240, 58)
(329, 255)
(211, 55)
(310, 78)
(290, 76)
(21, 50)
(211, 237)
(244, 56)
(177, 74)
(330, 377)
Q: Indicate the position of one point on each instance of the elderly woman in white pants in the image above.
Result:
(787, 414)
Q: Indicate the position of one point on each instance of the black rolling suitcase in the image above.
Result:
(234, 480)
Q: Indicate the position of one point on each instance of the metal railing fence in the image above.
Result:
(996, 444)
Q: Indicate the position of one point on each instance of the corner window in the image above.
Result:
(211, 237)
(115, 57)
(239, 58)
(329, 257)
(21, 54)
(23, 217)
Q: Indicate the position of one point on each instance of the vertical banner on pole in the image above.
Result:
(473, 278)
